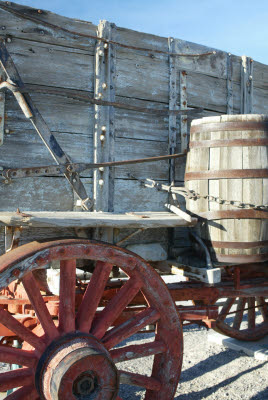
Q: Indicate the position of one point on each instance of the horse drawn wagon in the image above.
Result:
(87, 239)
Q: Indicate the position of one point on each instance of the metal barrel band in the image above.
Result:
(230, 126)
(235, 245)
(227, 143)
(227, 174)
(231, 214)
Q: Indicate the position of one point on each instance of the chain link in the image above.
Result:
(192, 195)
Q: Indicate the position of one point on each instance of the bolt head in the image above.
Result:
(101, 182)
(102, 138)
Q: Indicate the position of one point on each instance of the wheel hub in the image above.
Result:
(78, 367)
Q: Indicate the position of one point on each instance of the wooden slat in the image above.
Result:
(93, 219)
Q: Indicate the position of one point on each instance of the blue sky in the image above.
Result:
(236, 26)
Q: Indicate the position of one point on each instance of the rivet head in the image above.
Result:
(9, 40)
(7, 131)
(101, 53)
(101, 182)
(104, 85)
(103, 128)
(101, 169)
(106, 45)
(100, 95)
(102, 138)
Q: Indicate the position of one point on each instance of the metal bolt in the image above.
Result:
(6, 181)
(9, 40)
(74, 180)
(106, 45)
(3, 28)
(7, 131)
(42, 32)
(103, 128)
(104, 85)
(101, 182)
(101, 53)
(101, 169)
(40, 11)
(102, 138)
(100, 95)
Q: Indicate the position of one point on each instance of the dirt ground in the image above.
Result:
(210, 371)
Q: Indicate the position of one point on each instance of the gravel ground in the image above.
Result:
(209, 371)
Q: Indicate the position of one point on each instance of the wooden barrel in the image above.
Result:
(228, 158)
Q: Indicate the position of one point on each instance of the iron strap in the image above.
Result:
(234, 214)
(244, 258)
(230, 126)
(235, 245)
(227, 143)
(227, 173)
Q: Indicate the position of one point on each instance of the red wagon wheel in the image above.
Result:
(76, 355)
(244, 318)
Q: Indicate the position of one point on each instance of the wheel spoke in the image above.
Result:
(251, 312)
(226, 308)
(137, 351)
(24, 393)
(16, 378)
(116, 306)
(67, 295)
(39, 306)
(23, 333)
(93, 296)
(128, 378)
(130, 327)
(263, 307)
(11, 355)
(239, 313)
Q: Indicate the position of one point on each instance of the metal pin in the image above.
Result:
(100, 95)
(9, 40)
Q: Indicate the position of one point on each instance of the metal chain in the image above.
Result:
(192, 195)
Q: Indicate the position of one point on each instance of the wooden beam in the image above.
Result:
(230, 100)
(103, 135)
(246, 85)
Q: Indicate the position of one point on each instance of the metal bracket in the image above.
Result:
(15, 83)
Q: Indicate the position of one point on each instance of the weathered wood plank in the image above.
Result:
(92, 219)
(49, 65)
(44, 193)
(39, 32)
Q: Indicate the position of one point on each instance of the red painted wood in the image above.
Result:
(39, 306)
(226, 308)
(23, 333)
(239, 314)
(16, 378)
(146, 382)
(137, 351)
(251, 312)
(24, 393)
(92, 296)
(116, 306)
(11, 355)
(130, 327)
(67, 295)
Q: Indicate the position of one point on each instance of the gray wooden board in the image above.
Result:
(93, 219)
(26, 29)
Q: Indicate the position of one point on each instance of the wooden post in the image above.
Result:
(172, 106)
(183, 118)
(103, 135)
(230, 100)
(246, 85)
(2, 109)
